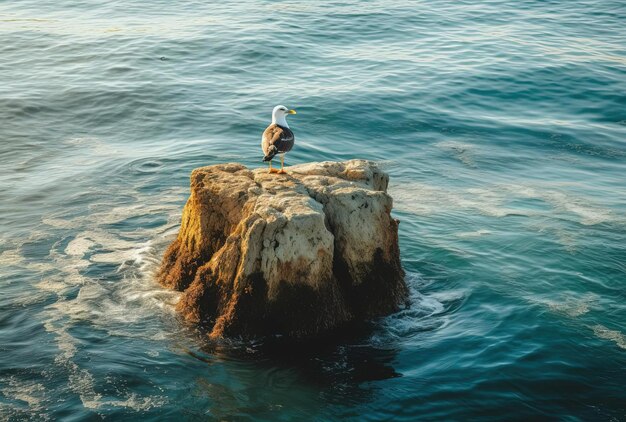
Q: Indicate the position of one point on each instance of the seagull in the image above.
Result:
(278, 138)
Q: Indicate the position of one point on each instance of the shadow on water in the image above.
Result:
(279, 378)
(341, 367)
(350, 366)
(346, 355)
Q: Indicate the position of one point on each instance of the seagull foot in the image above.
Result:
(273, 171)
(282, 172)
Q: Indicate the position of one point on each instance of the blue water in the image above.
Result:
(501, 123)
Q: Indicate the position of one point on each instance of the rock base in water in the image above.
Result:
(296, 254)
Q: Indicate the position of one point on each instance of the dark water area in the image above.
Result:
(502, 125)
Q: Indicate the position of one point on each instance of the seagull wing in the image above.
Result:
(276, 139)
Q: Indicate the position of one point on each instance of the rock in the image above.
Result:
(295, 254)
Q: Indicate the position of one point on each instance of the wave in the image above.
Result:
(75, 292)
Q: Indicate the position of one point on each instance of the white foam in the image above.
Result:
(576, 307)
(426, 312)
(570, 305)
(61, 223)
(613, 335)
(52, 286)
(571, 309)
(114, 307)
(79, 246)
(29, 392)
(491, 200)
(11, 257)
(476, 233)
(424, 199)
(137, 403)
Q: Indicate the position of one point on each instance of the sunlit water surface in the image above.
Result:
(502, 125)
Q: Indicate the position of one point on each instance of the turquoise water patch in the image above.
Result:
(500, 123)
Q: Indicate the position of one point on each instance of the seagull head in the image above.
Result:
(279, 115)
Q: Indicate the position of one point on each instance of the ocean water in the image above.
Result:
(501, 123)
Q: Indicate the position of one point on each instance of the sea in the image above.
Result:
(502, 125)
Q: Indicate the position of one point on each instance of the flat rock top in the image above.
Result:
(352, 173)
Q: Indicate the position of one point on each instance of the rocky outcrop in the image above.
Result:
(295, 254)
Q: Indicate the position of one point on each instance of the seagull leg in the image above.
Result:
(282, 164)
(272, 170)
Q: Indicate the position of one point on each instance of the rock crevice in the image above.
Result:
(297, 255)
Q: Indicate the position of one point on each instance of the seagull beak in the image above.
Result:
(292, 112)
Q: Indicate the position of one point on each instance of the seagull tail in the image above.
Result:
(272, 151)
